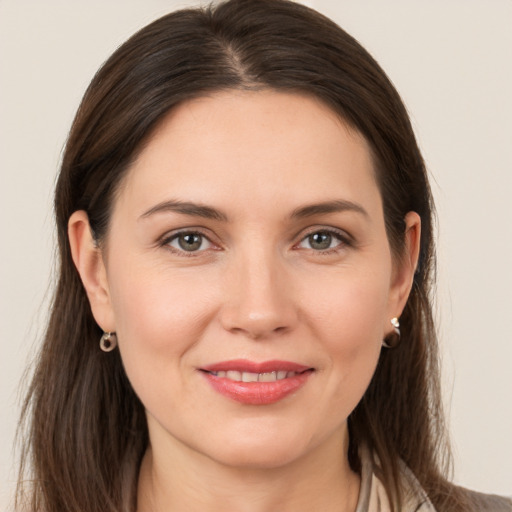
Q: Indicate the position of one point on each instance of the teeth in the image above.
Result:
(249, 377)
(234, 375)
(254, 377)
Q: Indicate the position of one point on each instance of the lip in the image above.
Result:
(244, 365)
(256, 393)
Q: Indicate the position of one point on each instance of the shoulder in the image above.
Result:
(480, 502)
(417, 500)
(373, 496)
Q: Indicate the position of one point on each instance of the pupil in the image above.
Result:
(190, 242)
(320, 240)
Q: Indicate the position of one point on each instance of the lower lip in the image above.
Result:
(257, 393)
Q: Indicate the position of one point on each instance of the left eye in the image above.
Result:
(321, 241)
(189, 242)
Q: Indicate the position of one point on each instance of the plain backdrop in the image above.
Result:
(452, 62)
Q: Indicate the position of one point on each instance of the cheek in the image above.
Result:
(155, 306)
(350, 309)
(159, 318)
(349, 320)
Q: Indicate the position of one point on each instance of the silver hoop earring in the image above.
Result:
(393, 340)
(108, 341)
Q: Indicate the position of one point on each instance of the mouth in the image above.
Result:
(238, 376)
(254, 383)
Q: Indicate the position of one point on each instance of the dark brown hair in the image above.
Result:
(86, 427)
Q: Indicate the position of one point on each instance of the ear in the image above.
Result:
(405, 267)
(88, 260)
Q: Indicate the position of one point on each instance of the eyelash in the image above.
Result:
(166, 241)
(342, 237)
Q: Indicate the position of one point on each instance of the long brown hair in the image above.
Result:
(86, 428)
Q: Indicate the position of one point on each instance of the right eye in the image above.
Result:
(188, 241)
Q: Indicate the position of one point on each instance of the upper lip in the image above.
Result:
(244, 365)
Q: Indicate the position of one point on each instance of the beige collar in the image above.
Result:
(373, 496)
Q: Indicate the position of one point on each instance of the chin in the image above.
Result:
(257, 457)
(273, 450)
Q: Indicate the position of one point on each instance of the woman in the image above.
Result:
(207, 351)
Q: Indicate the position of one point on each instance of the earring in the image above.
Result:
(392, 340)
(108, 341)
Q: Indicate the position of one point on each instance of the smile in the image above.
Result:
(254, 377)
(251, 383)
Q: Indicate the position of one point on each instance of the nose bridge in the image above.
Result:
(259, 301)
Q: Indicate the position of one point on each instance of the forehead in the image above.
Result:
(246, 146)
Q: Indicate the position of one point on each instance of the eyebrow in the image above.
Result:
(336, 206)
(208, 212)
(186, 208)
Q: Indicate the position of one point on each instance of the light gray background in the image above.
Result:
(450, 60)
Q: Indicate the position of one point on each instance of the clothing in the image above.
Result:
(489, 502)
(373, 496)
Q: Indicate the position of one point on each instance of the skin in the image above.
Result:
(258, 287)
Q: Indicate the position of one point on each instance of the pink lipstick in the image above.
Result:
(252, 383)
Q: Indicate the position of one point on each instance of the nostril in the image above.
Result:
(259, 315)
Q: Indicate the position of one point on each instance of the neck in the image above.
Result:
(187, 481)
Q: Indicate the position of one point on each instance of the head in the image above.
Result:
(215, 59)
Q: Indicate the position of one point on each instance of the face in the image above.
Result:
(249, 278)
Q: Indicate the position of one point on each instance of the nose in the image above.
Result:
(259, 298)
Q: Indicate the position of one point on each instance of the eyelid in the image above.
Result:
(165, 240)
(345, 238)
